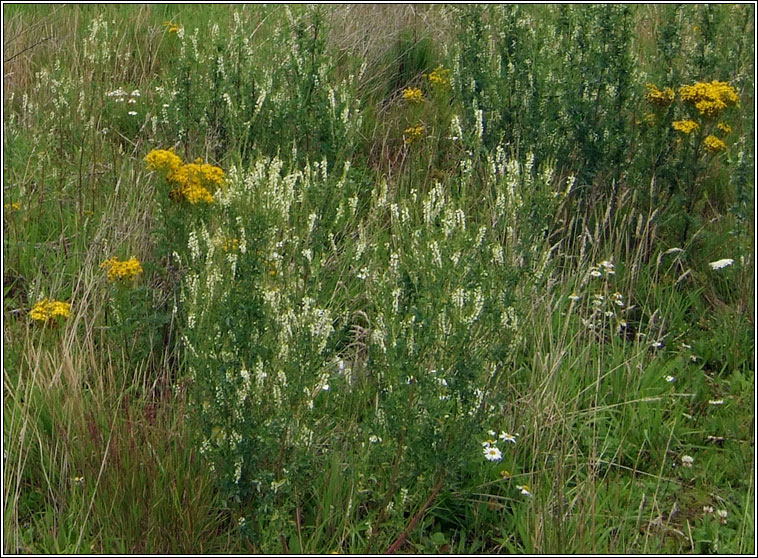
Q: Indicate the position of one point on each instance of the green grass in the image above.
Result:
(316, 361)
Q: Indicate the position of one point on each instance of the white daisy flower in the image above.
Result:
(687, 461)
(670, 379)
(524, 490)
(132, 113)
(505, 437)
(716, 402)
(574, 297)
(492, 454)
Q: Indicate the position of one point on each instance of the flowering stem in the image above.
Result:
(400, 541)
(390, 492)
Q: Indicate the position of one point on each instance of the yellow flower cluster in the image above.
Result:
(714, 144)
(230, 245)
(685, 126)
(122, 270)
(172, 27)
(648, 118)
(659, 98)
(191, 181)
(45, 310)
(14, 206)
(440, 77)
(413, 133)
(710, 99)
(413, 95)
(725, 128)
(163, 160)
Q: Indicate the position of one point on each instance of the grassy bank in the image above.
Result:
(353, 279)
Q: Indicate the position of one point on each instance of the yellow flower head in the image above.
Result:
(122, 270)
(230, 245)
(685, 126)
(413, 95)
(710, 99)
(714, 144)
(440, 77)
(192, 181)
(725, 128)
(14, 206)
(413, 133)
(659, 98)
(172, 27)
(648, 119)
(46, 310)
(162, 160)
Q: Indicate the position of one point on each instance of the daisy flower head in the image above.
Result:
(524, 489)
(505, 437)
(492, 453)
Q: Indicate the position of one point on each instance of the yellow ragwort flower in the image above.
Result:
(172, 27)
(685, 126)
(440, 77)
(725, 128)
(659, 98)
(413, 95)
(714, 144)
(648, 118)
(230, 245)
(122, 270)
(162, 160)
(14, 206)
(191, 181)
(45, 310)
(710, 99)
(412, 134)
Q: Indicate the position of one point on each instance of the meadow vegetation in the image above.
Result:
(357, 279)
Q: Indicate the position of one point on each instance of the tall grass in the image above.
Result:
(452, 296)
